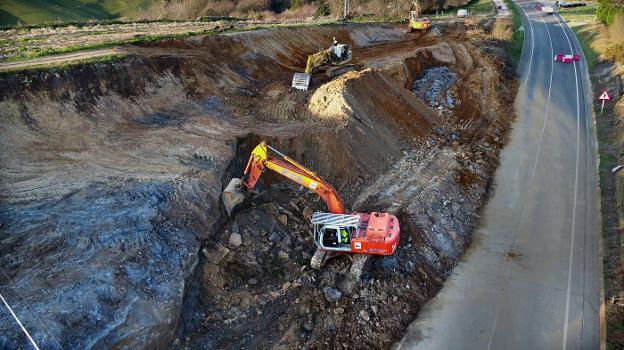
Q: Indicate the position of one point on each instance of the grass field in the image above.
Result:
(517, 39)
(582, 22)
(50, 11)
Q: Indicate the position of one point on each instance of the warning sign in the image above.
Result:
(604, 96)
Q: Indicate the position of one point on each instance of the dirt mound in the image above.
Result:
(367, 95)
(111, 221)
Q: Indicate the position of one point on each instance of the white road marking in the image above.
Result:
(541, 142)
(564, 343)
(537, 156)
(531, 55)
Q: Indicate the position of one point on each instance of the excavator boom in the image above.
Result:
(287, 167)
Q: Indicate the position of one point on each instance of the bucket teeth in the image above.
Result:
(233, 195)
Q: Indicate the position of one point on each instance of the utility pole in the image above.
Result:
(345, 10)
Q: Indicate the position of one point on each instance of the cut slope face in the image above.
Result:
(369, 97)
(112, 227)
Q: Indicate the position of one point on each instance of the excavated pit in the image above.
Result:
(112, 231)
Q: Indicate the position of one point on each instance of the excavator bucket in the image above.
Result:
(301, 81)
(233, 195)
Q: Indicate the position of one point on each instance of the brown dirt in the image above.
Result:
(189, 111)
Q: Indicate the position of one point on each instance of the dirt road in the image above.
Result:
(59, 59)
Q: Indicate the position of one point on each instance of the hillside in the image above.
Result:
(41, 11)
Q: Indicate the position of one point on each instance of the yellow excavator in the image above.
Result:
(334, 59)
(416, 22)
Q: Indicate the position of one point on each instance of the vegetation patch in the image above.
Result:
(517, 38)
(28, 12)
(599, 41)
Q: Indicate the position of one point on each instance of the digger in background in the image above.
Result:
(334, 59)
(416, 22)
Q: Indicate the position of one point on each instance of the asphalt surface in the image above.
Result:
(532, 276)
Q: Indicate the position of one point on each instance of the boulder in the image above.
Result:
(332, 294)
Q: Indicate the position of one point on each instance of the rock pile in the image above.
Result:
(434, 87)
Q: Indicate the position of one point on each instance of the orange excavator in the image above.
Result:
(334, 232)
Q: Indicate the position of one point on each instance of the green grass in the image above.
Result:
(480, 7)
(517, 39)
(48, 11)
(579, 14)
(607, 160)
(580, 20)
(586, 37)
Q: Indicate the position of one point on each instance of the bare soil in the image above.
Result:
(184, 114)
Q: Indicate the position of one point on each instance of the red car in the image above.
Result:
(567, 58)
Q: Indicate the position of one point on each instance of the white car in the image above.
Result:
(462, 13)
(548, 10)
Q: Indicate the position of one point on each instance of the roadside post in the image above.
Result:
(604, 97)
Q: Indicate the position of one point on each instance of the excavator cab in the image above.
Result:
(418, 23)
(374, 233)
(335, 232)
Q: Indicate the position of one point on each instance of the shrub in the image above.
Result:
(619, 196)
(246, 6)
(219, 8)
(301, 12)
(295, 4)
(616, 28)
(502, 29)
(322, 9)
(616, 52)
(607, 10)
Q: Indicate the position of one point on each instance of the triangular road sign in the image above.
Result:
(604, 96)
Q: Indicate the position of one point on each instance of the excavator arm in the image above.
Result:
(287, 167)
(416, 7)
(316, 60)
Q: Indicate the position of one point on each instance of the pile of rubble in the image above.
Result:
(435, 87)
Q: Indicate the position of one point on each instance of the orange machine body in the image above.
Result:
(374, 233)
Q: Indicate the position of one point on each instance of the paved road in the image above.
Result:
(532, 277)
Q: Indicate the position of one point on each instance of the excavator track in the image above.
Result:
(318, 259)
(340, 70)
